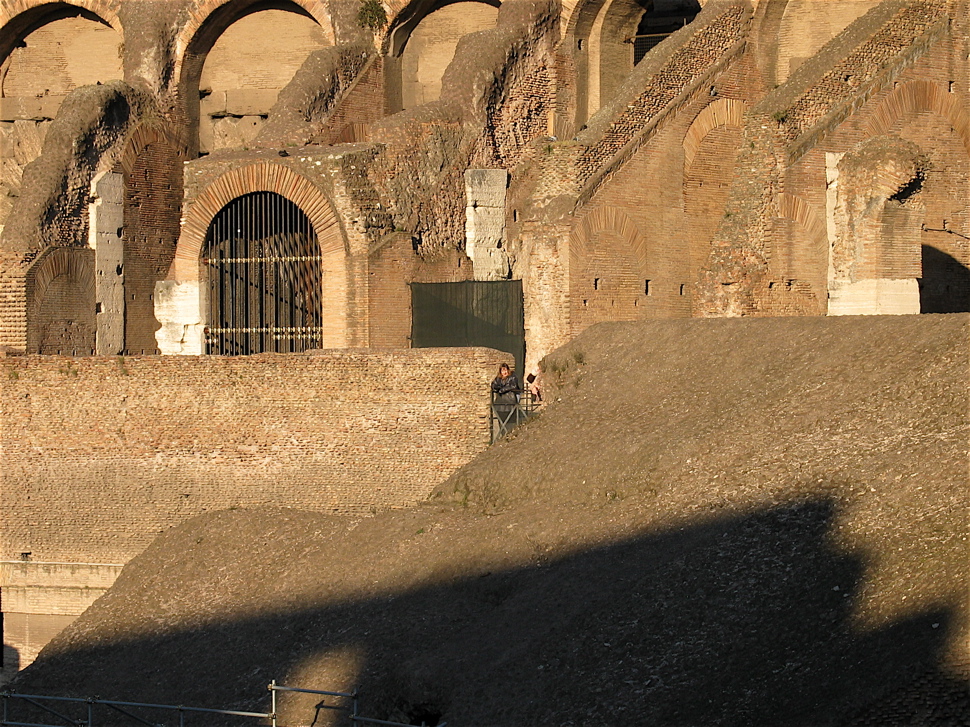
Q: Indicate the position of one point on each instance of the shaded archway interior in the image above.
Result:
(265, 278)
(241, 57)
(423, 45)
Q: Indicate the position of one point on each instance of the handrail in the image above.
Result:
(117, 705)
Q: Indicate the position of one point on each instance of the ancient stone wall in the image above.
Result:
(102, 453)
(90, 135)
(47, 64)
(244, 71)
(488, 114)
(361, 105)
(862, 85)
(392, 267)
(431, 48)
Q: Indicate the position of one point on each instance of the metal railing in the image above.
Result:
(504, 416)
(86, 715)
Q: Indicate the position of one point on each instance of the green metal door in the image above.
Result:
(470, 313)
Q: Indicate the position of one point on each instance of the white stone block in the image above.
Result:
(874, 297)
(178, 308)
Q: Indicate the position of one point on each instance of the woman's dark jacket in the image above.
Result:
(506, 389)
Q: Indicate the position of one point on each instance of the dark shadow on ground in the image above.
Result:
(945, 286)
(746, 619)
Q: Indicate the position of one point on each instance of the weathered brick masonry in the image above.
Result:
(100, 454)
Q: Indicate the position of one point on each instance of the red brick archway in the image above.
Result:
(312, 201)
(916, 96)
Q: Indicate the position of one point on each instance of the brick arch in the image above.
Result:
(809, 263)
(74, 263)
(406, 15)
(261, 177)
(613, 220)
(804, 213)
(919, 96)
(620, 255)
(60, 261)
(202, 10)
(20, 17)
(143, 135)
(722, 112)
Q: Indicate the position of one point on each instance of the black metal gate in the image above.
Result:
(470, 313)
(265, 278)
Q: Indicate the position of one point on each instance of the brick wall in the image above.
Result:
(362, 104)
(61, 303)
(101, 454)
(153, 200)
(391, 269)
(662, 85)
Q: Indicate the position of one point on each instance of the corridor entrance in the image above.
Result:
(265, 278)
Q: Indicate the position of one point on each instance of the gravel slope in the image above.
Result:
(714, 522)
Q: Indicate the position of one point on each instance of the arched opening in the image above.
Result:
(660, 21)
(808, 25)
(707, 184)
(608, 270)
(61, 311)
(47, 53)
(424, 47)
(265, 278)
(65, 48)
(613, 36)
(236, 65)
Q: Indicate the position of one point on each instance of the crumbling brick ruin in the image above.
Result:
(234, 176)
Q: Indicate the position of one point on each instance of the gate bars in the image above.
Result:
(124, 709)
(265, 275)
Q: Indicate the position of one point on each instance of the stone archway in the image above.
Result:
(422, 42)
(181, 301)
(233, 59)
(61, 313)
(46, 51)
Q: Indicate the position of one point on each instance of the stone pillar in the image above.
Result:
(485, 222)
(178, 307)
(105, 225)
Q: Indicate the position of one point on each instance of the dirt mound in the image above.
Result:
(730, 522)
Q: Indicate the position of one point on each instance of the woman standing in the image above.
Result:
(505, 400)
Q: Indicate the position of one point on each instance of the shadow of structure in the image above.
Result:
(945, 286)
(10, 663)
(745, 619)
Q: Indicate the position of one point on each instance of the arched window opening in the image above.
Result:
(248, 64)
(50, 51)
(659, 22)
(430, 47)
(265, 274)
(69, 48)
(623, 33)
